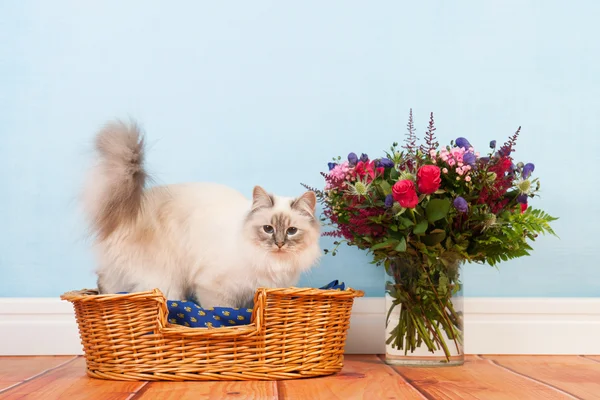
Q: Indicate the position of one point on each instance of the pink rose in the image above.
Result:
(428, 179)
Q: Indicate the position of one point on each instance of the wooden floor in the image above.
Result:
(363, 377)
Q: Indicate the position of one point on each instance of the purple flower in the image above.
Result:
(364, 158)
(522, 198)
(386, 163)
(461, 204)
(493, 144)
(352, 158)
(504, 151)
(512, 169)
(462, 142)
(484, 160)
(389, 201)
(527, 170)
(469, 158)
(331, 165)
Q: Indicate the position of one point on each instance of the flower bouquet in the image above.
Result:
(422, 211)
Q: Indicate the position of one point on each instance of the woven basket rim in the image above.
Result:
(92, 294)
(256, 321)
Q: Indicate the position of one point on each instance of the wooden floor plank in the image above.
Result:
(476, 379)
(363, 377)
(71, 382)
(14, 370)
(209, 390)
(575, 375)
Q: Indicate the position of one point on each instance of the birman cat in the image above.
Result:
(200, 241)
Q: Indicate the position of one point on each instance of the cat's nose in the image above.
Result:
(279, 244)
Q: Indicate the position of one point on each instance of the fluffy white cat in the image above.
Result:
(200, 241)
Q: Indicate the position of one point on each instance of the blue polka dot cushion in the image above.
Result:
(188, 313)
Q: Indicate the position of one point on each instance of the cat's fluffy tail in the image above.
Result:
(114, 191)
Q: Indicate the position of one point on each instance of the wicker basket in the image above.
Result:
(294, 333)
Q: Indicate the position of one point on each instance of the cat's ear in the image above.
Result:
(261, 199)
(306, 203)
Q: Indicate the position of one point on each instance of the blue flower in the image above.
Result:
(389, 201)
(386, 163)
(527, 170)
(331, 165)
(522, 198)
(469, 158)
(462, 142)
(364, 158)
(352, 158)
(461, 204)
(493, 144)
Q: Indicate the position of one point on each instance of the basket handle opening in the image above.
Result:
(255, 327)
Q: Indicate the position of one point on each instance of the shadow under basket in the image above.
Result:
(294, 333)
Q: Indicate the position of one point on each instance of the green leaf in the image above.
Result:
(436, 236)
(401, 247)
(437, 209)
(387, 243)
(394, 173)
(385, 187)
(397, 235)
(443, 284)
(399, 213)
(420, 228)
(405, 222)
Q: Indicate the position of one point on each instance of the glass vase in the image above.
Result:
(424, 311)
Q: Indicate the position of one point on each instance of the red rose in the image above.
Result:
(404, 193)
(428, 179)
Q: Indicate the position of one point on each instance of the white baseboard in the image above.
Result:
(46, 326)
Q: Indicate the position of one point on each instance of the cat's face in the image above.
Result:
(284, 227)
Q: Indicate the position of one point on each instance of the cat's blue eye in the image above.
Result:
(291, 231)
(268, 229)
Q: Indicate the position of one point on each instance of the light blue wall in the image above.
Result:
(268, 91)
